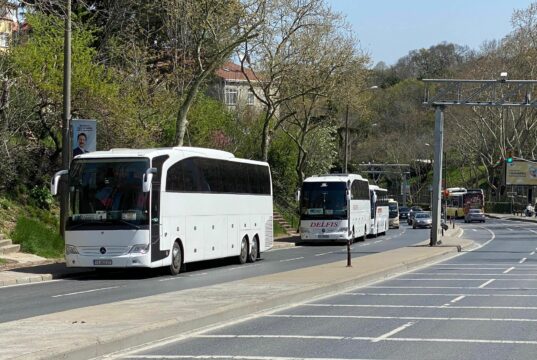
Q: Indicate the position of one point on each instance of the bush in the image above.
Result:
(37, 238)
(41, 197)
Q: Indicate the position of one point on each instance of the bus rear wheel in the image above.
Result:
(252, 255)
(243, 256)
(177, 259)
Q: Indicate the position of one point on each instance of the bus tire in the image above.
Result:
(177, 259)
(254, 249)
(243, 256)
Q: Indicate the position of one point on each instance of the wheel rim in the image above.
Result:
(244, 249)
(176, 262)
(253, 251)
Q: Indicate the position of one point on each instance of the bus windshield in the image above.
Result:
(108, 192)
(323, 200)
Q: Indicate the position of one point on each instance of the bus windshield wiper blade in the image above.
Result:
(128, 223)
(75, 226)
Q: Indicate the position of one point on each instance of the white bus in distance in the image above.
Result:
(165, 207)
(379, 210)
(334, 207)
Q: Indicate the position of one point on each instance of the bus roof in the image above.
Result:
(334, 178)
(179, 151)
(376, 187)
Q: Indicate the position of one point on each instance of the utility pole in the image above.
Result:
(66, 118)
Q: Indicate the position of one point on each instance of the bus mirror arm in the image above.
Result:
(148, 178)
(54, 182)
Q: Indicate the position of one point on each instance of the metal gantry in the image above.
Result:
(400, 166)
(440, 93)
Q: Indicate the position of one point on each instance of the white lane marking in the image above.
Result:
(457, 299)
(522, 260)
(460, 234)
(423, 306)
(439, 294)
(474, 229)
(451, 287)
(378, 241)
(510, 229)
(532, 253)
(298, 258)
(533, 231)
(366, 338)
(467, 264)
(196, 275)
(485, 283)
(508, 270)
(480, 274)
(326, 253)
(393, 332)
(85, 292)
(438, 279)
(229, 357)
(374, 317)
(366, 244)
(172, 278)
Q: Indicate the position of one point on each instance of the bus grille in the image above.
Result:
(110, 250)
(269, 233)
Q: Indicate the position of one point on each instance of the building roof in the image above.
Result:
(232, 72)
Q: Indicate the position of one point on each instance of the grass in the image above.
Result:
(2, 261)
(36, 237)
(278, 230)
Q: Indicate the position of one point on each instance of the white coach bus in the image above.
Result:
(324, 208)
(380, 221)
(165, 207)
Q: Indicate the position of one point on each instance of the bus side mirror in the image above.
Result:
(148, 178)
(348, 195)
(297, 195)
(55, 181)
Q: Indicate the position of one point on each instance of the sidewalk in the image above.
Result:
(93, 331)
(513, 217)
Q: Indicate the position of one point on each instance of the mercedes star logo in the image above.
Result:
(102, 250)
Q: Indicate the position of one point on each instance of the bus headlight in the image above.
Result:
(71, 250)
(140, 248)
(304, 230)
(342, 229)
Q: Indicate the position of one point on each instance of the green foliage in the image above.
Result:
(278, 229)
(41, 197)
(37, 238)
(282, 159)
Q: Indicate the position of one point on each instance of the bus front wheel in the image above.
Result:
(177, 259)
(243, 256)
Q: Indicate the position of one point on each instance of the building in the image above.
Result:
(8, 24)
(231, 86)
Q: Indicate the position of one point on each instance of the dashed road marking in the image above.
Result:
(86, 291)
(485, 283)
(298, 258)
(522, 260)
(508, 270)
(393, 332)
(457, 299)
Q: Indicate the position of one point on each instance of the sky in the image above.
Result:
(389, 29)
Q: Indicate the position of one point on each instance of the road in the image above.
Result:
(24, 301)
(479, 305)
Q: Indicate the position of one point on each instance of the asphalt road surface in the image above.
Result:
(23, 301)
(479, 305)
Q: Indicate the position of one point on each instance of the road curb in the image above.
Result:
(158, 331)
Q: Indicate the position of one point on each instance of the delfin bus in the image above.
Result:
(165, 207)
(334, 207)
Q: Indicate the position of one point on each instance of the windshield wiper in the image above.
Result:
(128, 223)
(75, 226)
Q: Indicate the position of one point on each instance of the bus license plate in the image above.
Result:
(324, 236)
(102, 262)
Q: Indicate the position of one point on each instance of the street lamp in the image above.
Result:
(346, 153)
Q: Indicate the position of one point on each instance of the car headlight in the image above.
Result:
(71, 250)
(140, 248)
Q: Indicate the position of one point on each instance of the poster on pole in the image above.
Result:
(521, 172)
(84, 136)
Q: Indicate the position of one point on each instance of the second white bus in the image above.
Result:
(334, 207)
(379, 211)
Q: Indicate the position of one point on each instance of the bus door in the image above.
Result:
(156, 222)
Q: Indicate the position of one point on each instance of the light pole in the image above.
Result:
(346, 153)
